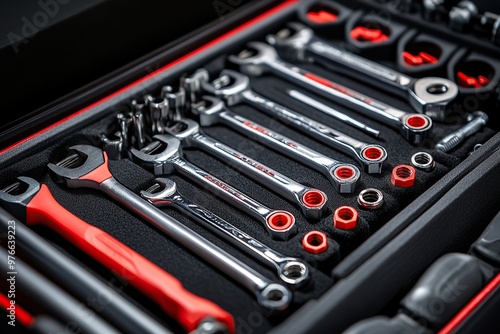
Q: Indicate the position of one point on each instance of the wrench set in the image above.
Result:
(236, 186)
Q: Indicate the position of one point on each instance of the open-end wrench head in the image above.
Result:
(274, 296)
(168, 188)
(158, 154)
(344, 177)
(72, 175)
(209, 110)
(294, 272)
(229, 86)
(291, 41)
(16, 202)
(255, 59)
(432, 96)
(184, 130)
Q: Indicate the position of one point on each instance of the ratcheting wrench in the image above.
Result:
(343, 176)
(237, 89)
(290, 270)
(261, 57)
(94, 173)
(430, 96)
(312, 202)
(165, 156)
(34, 204)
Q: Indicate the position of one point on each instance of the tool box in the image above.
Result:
(358, 140)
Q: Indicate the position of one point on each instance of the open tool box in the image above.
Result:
(355, 270)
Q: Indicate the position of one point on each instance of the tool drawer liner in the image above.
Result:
(202, 278)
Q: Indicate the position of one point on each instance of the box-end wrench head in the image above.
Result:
(165, 152)
(430, 95)
(236, 89)
(341, 175)
(312, 202)
(291, 271)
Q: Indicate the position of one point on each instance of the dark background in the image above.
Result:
(76, 42)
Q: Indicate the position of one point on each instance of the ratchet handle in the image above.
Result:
(187, 308)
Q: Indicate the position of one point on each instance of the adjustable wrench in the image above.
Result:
(34, 204)
(261, 57)
(312, 202)
(94, 173)
(165, 156)
(237, 89)
(430, 96)
(290, 270)
(343, 176)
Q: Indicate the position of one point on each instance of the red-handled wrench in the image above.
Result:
(36, 205)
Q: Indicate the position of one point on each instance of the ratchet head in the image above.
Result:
(17, 196)
(229, 86)
(344, 177)
(160, 193)
(416, 127)
(291, 41)
(208, 111)
(372, 158)
(159, 154)
(274, 296)
(86, 167)
(432, 96)
(255, 59)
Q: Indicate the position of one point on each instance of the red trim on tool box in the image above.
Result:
(184, 58)
(471, 306)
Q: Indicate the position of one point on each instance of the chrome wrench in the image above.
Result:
(312, 202)
(342, 176)
(94, 173)
(430, 95)
(260, 58)
(292, 271)
(164, 155)
(237, 89)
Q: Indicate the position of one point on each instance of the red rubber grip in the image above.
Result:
(188, 309)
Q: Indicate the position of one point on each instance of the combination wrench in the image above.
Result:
(292, 271)
(430, 95)
(259, 58)
(312, 202)
(235, 88)
(342, 176)
(93, 172)
(164, 155)
(34, 204)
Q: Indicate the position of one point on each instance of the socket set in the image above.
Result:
(241, 188)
